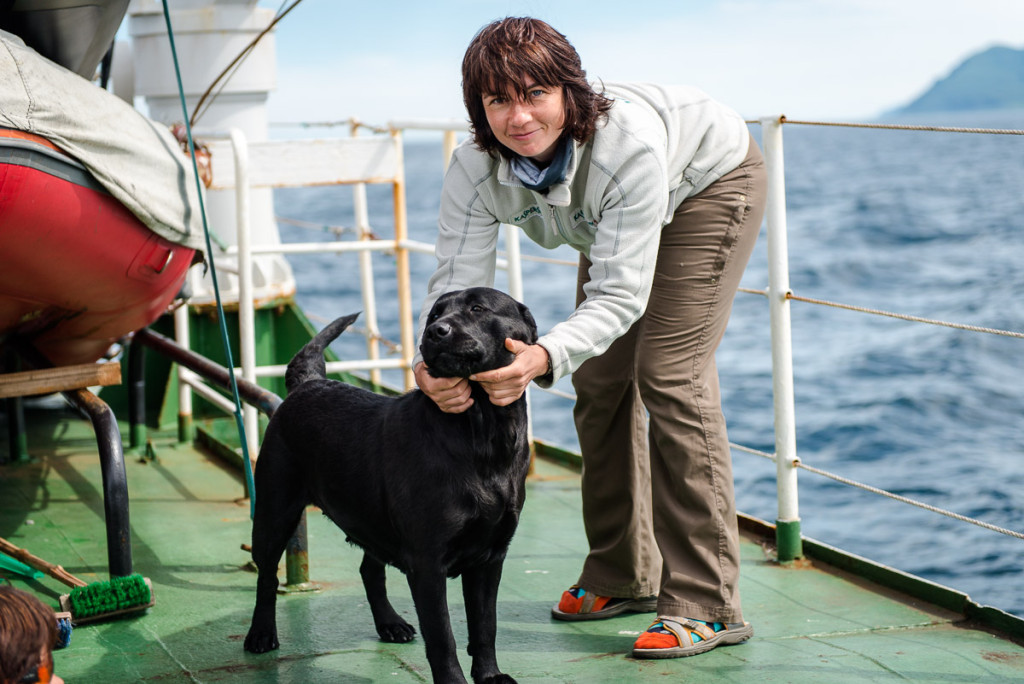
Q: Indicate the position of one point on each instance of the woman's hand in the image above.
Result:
(506, 385)
(451, 395)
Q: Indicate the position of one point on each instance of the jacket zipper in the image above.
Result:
(556, 226)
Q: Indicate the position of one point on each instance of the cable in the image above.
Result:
(213, 273)
(236, 62)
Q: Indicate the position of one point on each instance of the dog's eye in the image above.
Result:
(476, 308)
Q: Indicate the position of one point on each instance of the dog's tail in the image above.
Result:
(309, 363)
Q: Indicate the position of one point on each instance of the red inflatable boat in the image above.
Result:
(78, 271)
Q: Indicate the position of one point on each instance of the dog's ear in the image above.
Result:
(531, 325)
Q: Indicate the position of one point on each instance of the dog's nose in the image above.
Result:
(440, 330)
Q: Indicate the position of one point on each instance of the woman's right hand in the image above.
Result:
(452, 395)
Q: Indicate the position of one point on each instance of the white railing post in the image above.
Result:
(514, 269)
(406, 322)
(362, 218)
(246, 306)
(788, 539)
(182, 336)
(449, 141)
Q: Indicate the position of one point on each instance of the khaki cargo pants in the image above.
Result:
(658, 503)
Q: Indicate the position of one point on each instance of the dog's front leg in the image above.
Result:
(390, 625)
(480, 590)
(429, 593)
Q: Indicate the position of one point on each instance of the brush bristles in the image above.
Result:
(120, 593)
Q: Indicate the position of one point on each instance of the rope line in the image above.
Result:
(901, 127)
(239, 423)
(337, 231)
(875, 490)
(906, 317)
(891, 314)
(353, 123)
(229, 71)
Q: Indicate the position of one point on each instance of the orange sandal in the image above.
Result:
(668, 638)
(579, 604)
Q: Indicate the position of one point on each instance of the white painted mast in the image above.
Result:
(208, 35)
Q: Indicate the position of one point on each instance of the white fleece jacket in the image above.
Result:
(659, 145)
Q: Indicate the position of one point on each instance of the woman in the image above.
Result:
(662, 192)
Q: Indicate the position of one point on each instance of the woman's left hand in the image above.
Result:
(506, 385)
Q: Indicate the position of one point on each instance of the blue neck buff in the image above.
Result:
(538, 179)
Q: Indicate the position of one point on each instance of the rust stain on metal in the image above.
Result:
(1015, 659)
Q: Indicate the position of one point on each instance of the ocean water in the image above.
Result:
(925, 224)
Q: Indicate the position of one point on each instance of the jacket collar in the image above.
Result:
(559, 194)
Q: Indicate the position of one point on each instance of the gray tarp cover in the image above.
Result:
(136, 159)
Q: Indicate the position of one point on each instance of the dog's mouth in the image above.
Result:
(450, 359)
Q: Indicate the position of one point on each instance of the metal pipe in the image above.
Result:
(206, 392)
(449, 141)
(246, 307)
(263, 399)
(514, 271)
(788, 539)
(297, 560)
(320, 247)
(16, 433)
(182, 335)
(115, 480)
(362, 216)
(279, 370)
(406, 321)
(136, 396)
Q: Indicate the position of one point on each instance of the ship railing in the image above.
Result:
(778, 293)
(354, 161)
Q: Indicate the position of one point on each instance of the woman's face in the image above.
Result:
(529, 126)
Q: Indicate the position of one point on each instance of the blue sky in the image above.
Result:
(824, 59)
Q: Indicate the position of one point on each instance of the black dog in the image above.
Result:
(436, 495)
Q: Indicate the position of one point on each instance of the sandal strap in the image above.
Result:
(686, 627)
(588, 602)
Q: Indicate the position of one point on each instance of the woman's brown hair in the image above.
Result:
(505, 52)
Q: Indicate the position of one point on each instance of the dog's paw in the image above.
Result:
(499, 678)
(398, 632)
(261, 642)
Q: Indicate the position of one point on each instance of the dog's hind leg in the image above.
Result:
(279, 504)
(429, 586)
(480, 591)
(390, 625)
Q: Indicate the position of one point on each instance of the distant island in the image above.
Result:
(992, 79)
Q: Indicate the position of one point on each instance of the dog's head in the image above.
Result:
(466, 332)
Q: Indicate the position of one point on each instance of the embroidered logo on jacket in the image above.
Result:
(527, 214)
(580, 216)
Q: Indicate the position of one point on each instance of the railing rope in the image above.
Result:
(907, 127)
(906, 317)
(882, 492)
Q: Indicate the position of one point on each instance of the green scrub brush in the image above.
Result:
(88, 602)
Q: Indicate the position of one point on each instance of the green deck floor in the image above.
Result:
(812, 624)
